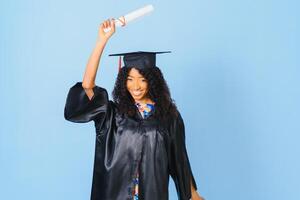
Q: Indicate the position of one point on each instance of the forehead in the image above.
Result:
(134, 73)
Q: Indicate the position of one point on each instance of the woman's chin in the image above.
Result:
(138, 98)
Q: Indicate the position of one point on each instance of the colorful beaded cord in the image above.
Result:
(145, 110)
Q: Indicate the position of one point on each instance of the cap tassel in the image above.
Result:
(120, 63)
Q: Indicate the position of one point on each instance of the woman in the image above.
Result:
(140, 137)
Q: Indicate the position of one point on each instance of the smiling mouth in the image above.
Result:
(136, 93)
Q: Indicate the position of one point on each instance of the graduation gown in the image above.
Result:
(125, 145)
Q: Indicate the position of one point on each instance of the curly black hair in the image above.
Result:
(158, 91)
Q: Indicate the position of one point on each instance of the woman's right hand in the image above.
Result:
(104, 36)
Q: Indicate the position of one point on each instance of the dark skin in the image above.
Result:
(136, 84)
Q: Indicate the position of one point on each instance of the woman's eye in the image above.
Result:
(144, 80)
(129, 79)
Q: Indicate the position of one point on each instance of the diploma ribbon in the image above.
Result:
(120, 63)
(122, 20)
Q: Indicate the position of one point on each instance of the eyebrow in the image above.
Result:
(135, 77)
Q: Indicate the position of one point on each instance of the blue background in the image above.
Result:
(233, 72)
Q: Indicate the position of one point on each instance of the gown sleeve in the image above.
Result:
(180, 169)
(79, 108)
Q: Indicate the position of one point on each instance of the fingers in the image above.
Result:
(113, 26)
(109, 23)
(107, 29)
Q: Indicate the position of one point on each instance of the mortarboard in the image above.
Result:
(139, 59)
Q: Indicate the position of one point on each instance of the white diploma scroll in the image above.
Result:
(124, 20)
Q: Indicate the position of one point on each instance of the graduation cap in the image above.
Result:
(139, 59)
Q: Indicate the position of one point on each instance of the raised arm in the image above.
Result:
(88, 82)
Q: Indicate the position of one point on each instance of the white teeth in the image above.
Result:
(136, 93)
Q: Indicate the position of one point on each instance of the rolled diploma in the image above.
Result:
(123, 20)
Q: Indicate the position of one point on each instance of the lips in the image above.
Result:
(136, 93)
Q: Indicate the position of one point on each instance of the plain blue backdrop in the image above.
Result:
(233, 73)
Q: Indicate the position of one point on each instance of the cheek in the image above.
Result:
(145, 86)
(128, 85)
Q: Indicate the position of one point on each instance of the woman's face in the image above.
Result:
(137, 85)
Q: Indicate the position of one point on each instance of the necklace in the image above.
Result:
(145, 108)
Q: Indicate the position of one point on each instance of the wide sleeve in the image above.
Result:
(79, 108)
(180, 169)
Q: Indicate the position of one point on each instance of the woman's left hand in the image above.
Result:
(196, 196)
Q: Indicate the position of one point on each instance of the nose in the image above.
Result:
(136, 85)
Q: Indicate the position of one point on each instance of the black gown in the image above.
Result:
(126, 144)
